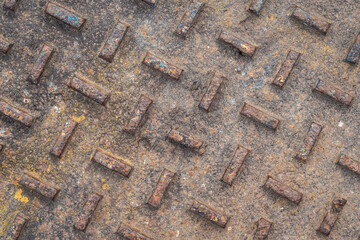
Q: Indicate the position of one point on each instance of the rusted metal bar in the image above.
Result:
(111, 162)
(286, 68)
(349, 163)
(18, 224)
(151, 2)
(139, 113)
(332, 216)
(235, 165)
(213, 88)
(309, 142)
(87, 211)
(260, 116)
(113, 42)
(187, 141)
(15, 113)
(64, 137)
(40, 64)
(63, 14)
(209, 214)
(158, 193)
(354, 51)
(255, 6)
(5, 45)
(189, 18)
(161, 65)
(129, 233)
(263, 229)
(90, 89)
(11, 4)
(244, 47)
(283, 190)
(319, 23)
(333, 92)
(36, 185)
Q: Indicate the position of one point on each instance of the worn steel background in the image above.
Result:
(176, 106)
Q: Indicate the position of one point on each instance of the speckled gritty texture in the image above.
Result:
(175, 106)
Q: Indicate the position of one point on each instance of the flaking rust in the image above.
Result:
(64, 137)
(332, 216)
(90, 89)
(333, 92)
(190, 142)
(212, 90)
(260, 116)
(38, 186)
(5, 45)
(349, 163)
(263, 229)
(11, 4)
(234, 166)
(40, 63)
(139, 113)
(354, 51)
(65, 15)
(286, 68)
(129, 233)
(161, 65)
(87, 211)
(113, 42)
(319, 23)
(189, 18)
(15, 113)
(283, 190)
(111, 162)
(17, 226)
(209, 214)
(255, 6)
(245, 48)
(158, 193)
(309, 142)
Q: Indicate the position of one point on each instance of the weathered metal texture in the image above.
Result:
(40, 64)
(309, 142)
(15, 113)
(111, 162)
(38, 186)
(158, 193)
(139, 113)
(16, 227)
(260, 116)
(5, 45)
(354, 51)
(333, 92)
(349, 163)
(64, 137)
(245, 48)
(213, 88)
(319, 23)
(286, 68)
(129, 233)
(90, 89)
(255, 6)
(63, 14)
(87, 211)
(10, 4)
(161, 65)
(234, 166)
(284, 190)
(209, 214)
(150, 2)
(332, 216)
(189, 18)
(187, 141)
(263, 229)
(113, 42)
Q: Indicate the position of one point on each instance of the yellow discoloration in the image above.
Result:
(79, 119)
(271, 18)
(105, 187)
(19, 197)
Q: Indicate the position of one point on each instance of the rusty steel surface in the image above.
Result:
(103, 55)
